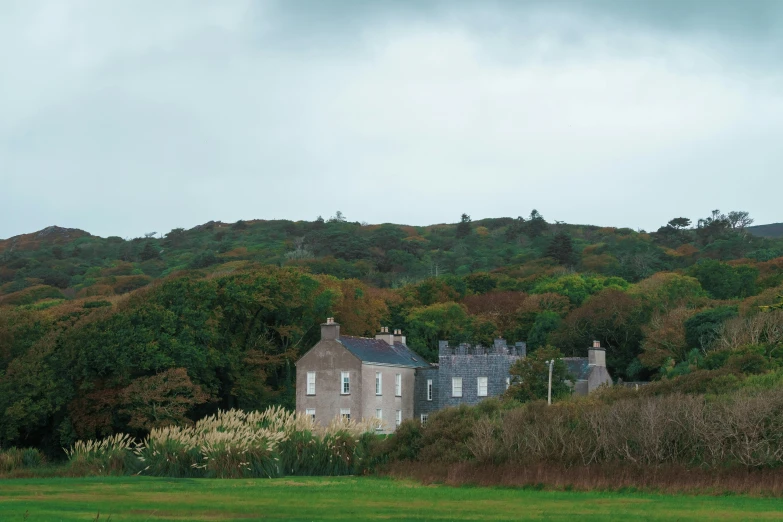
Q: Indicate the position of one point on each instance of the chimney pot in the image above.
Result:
(596, 344)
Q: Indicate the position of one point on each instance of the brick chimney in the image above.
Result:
(596, 356)
(385, 335)
(330, 329)
(398, 337)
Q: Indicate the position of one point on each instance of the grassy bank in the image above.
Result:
(338, 498)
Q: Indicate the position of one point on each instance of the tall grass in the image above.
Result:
(234, 444)
(13, 459)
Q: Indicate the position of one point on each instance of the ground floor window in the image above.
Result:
(310, 412)
(482, 386)
(345, 413)
(456, 386)
(398, 420)
(424, 418)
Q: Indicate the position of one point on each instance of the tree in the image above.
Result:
(545, 323)
(535, 225)
(463, 227)
(337, 218)
(161, 399)
(561, 249)
(704, 328)
(149, 252)
(739, 220)
(724, 281)
(679, 223)
(530, 376)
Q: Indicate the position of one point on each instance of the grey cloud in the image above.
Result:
(126, 117)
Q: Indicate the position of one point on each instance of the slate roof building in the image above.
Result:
(361, 378)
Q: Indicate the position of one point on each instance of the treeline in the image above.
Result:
(227, 336)
(56, 263)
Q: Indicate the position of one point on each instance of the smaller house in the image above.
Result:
(589, 372)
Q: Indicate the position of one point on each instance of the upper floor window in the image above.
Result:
(378, 383)
(456, 386)
(345, 413)
(345, 379)
(482, 386)
(310, 383)
(310, 412)
(429, 389)
(398, 385)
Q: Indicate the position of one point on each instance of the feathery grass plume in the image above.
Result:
(237, 444)
(109, 456)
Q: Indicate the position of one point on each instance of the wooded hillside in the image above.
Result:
(100, 335)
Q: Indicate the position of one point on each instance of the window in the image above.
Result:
(346, 380)
(379, 416)
(398, 418)
(482, 386)
(398, 385)
(508, 382)
(456, 386)
(429, 389)
(310, 412)
(378, 383)
(424, 418)
(345, 413)
(310, 383)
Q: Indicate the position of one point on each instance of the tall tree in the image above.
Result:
(561, 249)
(463, 227)
(535, 225)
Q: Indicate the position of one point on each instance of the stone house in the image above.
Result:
(358, 377)
(362, 378)
(465, 374)
(589, 372)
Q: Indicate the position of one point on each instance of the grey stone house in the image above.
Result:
(361, 378)
(465, 374)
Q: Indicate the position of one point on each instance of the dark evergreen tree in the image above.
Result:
(463, 227)
(535, 225)
(561, 249)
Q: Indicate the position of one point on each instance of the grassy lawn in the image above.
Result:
(345, 498)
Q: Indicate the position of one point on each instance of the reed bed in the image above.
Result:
(234, 444)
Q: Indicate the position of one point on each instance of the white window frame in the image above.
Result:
(508, 382)
(345, 383)
(429, 389)
(345, 413)
(481, 386)
(379, 416)
(398, 385)
(310, 383)
(378, 383)
(398, 418)
(424, 418)
(456, 386)
(310, 412)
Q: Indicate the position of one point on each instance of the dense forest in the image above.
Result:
(105, 335)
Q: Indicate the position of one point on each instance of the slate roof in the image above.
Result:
(380, 352)
(578, 367)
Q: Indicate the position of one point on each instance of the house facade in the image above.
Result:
(362, 378)
(358, 378)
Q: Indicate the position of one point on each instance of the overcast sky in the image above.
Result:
(126, 117)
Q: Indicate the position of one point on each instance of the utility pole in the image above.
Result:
(551, 363)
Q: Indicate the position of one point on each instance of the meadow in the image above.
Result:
(342, 498)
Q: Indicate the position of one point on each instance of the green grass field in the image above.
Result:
(345, 498)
